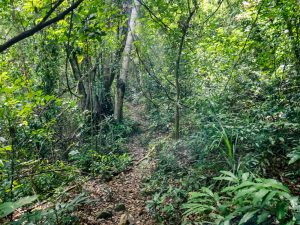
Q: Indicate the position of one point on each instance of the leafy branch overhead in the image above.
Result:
(44, 23)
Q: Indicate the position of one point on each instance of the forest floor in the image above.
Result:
(123, 193)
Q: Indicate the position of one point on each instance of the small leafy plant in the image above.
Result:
(166, 205)
(59, 214)
(7, 208)
(294, 155)
(246, 200)
(101, 164)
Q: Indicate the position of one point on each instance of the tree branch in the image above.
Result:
(39, 27)
(153, 16)
(49, 13)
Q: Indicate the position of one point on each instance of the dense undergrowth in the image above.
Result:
(257, 156)
(32, 166)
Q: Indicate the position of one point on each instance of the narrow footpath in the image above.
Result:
(120, 201)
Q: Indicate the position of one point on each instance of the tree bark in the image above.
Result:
(177, 70)
(177, 103)
(78, 77)
(121, 81)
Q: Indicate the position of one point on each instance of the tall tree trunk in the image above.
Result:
(121, 81)
(78, 77)
(177, 85)
(108, 77)
(177, 69)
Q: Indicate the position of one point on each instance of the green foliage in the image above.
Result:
(101, 164)
(171, 181)
(47, 179)
(115, 135)
(245, 199)
(44, 181)
(165, 205)
(7, 208)
(167, 162)
(60, 213)
(294, 155)
(238, 98)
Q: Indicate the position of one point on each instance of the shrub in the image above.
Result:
(61, 213)
(101, 164)
(166, 205)
(246, 200)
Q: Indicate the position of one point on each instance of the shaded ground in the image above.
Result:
(124, 188)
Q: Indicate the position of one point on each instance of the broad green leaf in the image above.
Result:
(268, 197)
(245, 176)
(262, 217)
(281, 210)
(8, 207)
(243, 193)
(248, 216)
(208, 191)
(294, 157)
(258, 196)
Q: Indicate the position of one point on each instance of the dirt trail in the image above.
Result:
(124, 188)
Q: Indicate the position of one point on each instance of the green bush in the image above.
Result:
(246, 200)
(46, 179)
(7, 208)
(101, 164)
(61, 213)
(294, 155)
(165, 206)
(110, 136)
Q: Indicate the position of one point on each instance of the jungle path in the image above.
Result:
(122, 195)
